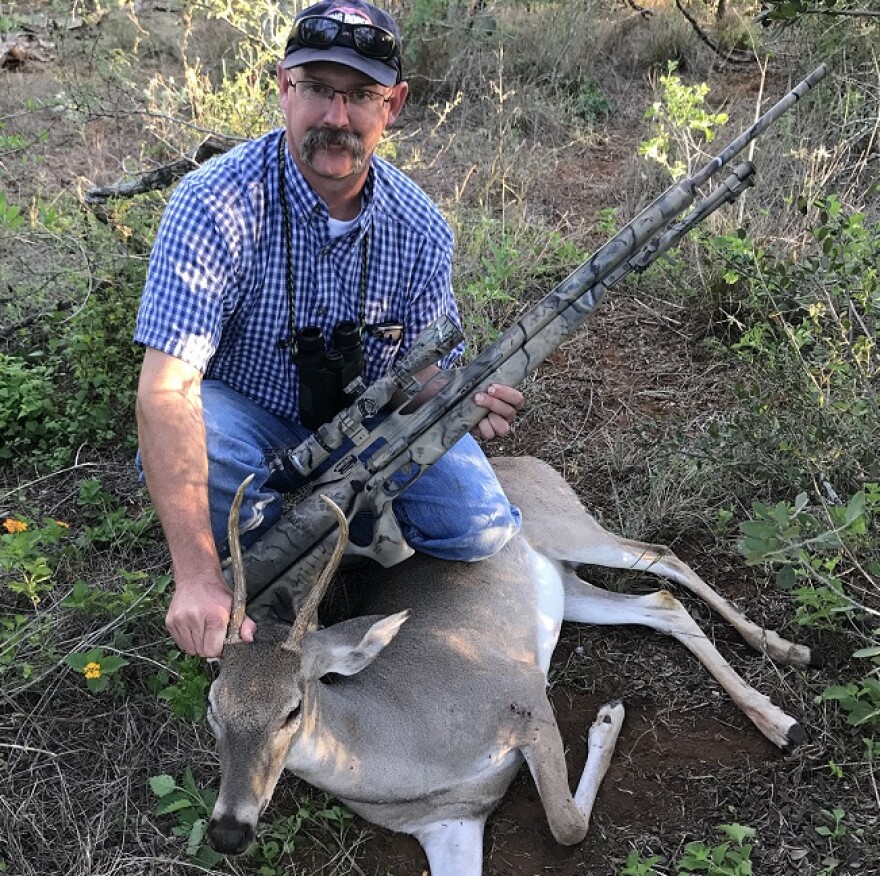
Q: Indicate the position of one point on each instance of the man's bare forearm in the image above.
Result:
(171, 435)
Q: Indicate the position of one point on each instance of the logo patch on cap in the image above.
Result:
(348, 15)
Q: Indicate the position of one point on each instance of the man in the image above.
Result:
(303, 227)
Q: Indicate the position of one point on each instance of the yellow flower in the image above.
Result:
(62, 524)
(10, 524)
(92, 670)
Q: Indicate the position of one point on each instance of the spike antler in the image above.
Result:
(239, 593)
(309, 608)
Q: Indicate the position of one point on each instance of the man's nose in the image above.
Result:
(337, 110)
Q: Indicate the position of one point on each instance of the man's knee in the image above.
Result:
(458, 510)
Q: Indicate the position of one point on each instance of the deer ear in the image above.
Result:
(347, 648)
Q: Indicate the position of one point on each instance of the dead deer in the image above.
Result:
(443, 684)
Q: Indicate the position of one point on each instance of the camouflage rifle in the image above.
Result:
(385, 460)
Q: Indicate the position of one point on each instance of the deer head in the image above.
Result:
(264, 697)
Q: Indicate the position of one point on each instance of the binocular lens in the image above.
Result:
(346, 335)
(310, 341)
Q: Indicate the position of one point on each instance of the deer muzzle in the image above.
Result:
(229, 835)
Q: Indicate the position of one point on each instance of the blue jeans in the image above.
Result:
(455, 511)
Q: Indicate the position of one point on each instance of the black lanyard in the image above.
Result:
(290, 340)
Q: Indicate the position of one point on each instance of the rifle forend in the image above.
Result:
(385, 461)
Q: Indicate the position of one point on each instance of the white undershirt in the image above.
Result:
(338, 227)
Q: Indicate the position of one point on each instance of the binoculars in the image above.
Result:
(325, 373)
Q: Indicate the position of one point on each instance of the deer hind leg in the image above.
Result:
(556, 523)
(661, 611)
(659, 560)
(603, 548)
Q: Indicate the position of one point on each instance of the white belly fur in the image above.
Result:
(550, 597)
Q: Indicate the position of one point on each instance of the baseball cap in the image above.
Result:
(366, 39)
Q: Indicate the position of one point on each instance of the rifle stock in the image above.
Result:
(385, 461)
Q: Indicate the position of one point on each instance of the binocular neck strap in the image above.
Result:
(290, 340)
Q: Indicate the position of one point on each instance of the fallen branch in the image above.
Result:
(163, 176)
(727, 58)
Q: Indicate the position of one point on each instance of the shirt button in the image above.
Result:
(321, 311)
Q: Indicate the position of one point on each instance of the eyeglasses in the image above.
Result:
(316, 92)
(321, 32)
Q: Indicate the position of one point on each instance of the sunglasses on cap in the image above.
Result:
(321, 32)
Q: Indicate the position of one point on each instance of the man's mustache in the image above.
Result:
(321, 138)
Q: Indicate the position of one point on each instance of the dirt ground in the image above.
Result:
(687, 759)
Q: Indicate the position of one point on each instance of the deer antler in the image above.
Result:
(239, 594)
(310, 606)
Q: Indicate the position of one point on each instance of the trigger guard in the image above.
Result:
(389, 546)
(403, 477)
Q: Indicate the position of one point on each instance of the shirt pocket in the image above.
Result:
(380, 353)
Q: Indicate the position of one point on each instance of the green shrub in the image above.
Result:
(803, 333)
(30, 421)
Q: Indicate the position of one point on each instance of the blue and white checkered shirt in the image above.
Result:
(216, 292)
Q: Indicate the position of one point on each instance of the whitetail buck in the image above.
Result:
(442, 692)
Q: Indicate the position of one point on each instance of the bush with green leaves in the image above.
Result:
(183, 683)
(830, 561)
(277, 841)
(29, 553)
(97, 668)
(30, 421)
(499, 266)
(803, 330)
(682, 124)
(69, 378)
(807, 335)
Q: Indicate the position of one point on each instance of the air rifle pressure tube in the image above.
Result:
(385, 461)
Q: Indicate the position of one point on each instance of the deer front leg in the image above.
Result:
(663, 612)
(600, 749)
(453, 847)
(541, 746)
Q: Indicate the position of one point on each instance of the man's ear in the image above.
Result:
(283, 83)
(347, 648)
(395, 105)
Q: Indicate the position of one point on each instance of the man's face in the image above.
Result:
(334, 139)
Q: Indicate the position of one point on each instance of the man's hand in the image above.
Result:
(502, 404)
(198, 617)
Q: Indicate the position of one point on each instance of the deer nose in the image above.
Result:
(229, 835)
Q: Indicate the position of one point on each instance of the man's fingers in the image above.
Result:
(214, 636)
(198, 633)
(508, 394)
(482, 430)
(183, 637)
(495, 405)
(248, 628)
(499, 424)
(502, 403)
(491, 426)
